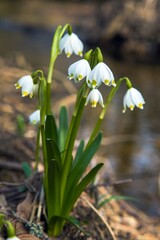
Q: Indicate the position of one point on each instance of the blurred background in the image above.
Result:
(128, 33)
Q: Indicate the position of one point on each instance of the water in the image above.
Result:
(131, 143)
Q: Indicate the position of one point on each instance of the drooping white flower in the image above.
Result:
(34, 118)
(94, 97)
(27, 85)
(79, 70)
(100, 73)
(13, 238)
(71, 43)
(132, 98)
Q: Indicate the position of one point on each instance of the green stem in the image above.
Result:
(54, 54)
(56, 229)
(49, 80)
(65, 28)
(53, 57)
(37, 149)
(48, 99)
(104, 110)
(79, 95)
(44, 156)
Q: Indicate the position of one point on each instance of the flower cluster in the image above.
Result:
(101, 73)
(79, 70)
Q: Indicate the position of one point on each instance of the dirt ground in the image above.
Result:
(114, 220)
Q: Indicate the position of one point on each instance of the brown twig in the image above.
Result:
(109, 230)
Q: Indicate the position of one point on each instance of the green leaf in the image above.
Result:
(78, 153)
(83, 161)
(51, 128)
(63, 127)
(27, 169)
(107, 200)
(53, 191)
(53, 152)
(74, 195)
(75, 223)
(77, 172)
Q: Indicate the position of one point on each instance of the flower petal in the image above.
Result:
(94, 97)
(100, 73)
(79, 70)
(34, 118)
(71, 43)
(133, 98)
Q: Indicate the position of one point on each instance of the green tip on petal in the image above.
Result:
(80, 54)
(94, 83)
(93, 104)
(131, 107)
(106, 81)
(113, 83)
(80, 77)
(68, 54)
(140, 105)
(24, 94)
(17, 85)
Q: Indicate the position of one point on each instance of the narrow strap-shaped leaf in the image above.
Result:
(53, 152)
(75, 223)
(53, 193)
(78, 153)
(74, 195)
(107, 200)
(77, 171)
(86, 180)
(51, 128)
(63, 128)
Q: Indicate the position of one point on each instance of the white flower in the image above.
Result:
(71, 43)
(100, 73)
(13, 238)
(79, 70)
(27, 85)
(133, 98)
(94, 97)
(34, 118)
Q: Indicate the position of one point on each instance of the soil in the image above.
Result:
(20, 195)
